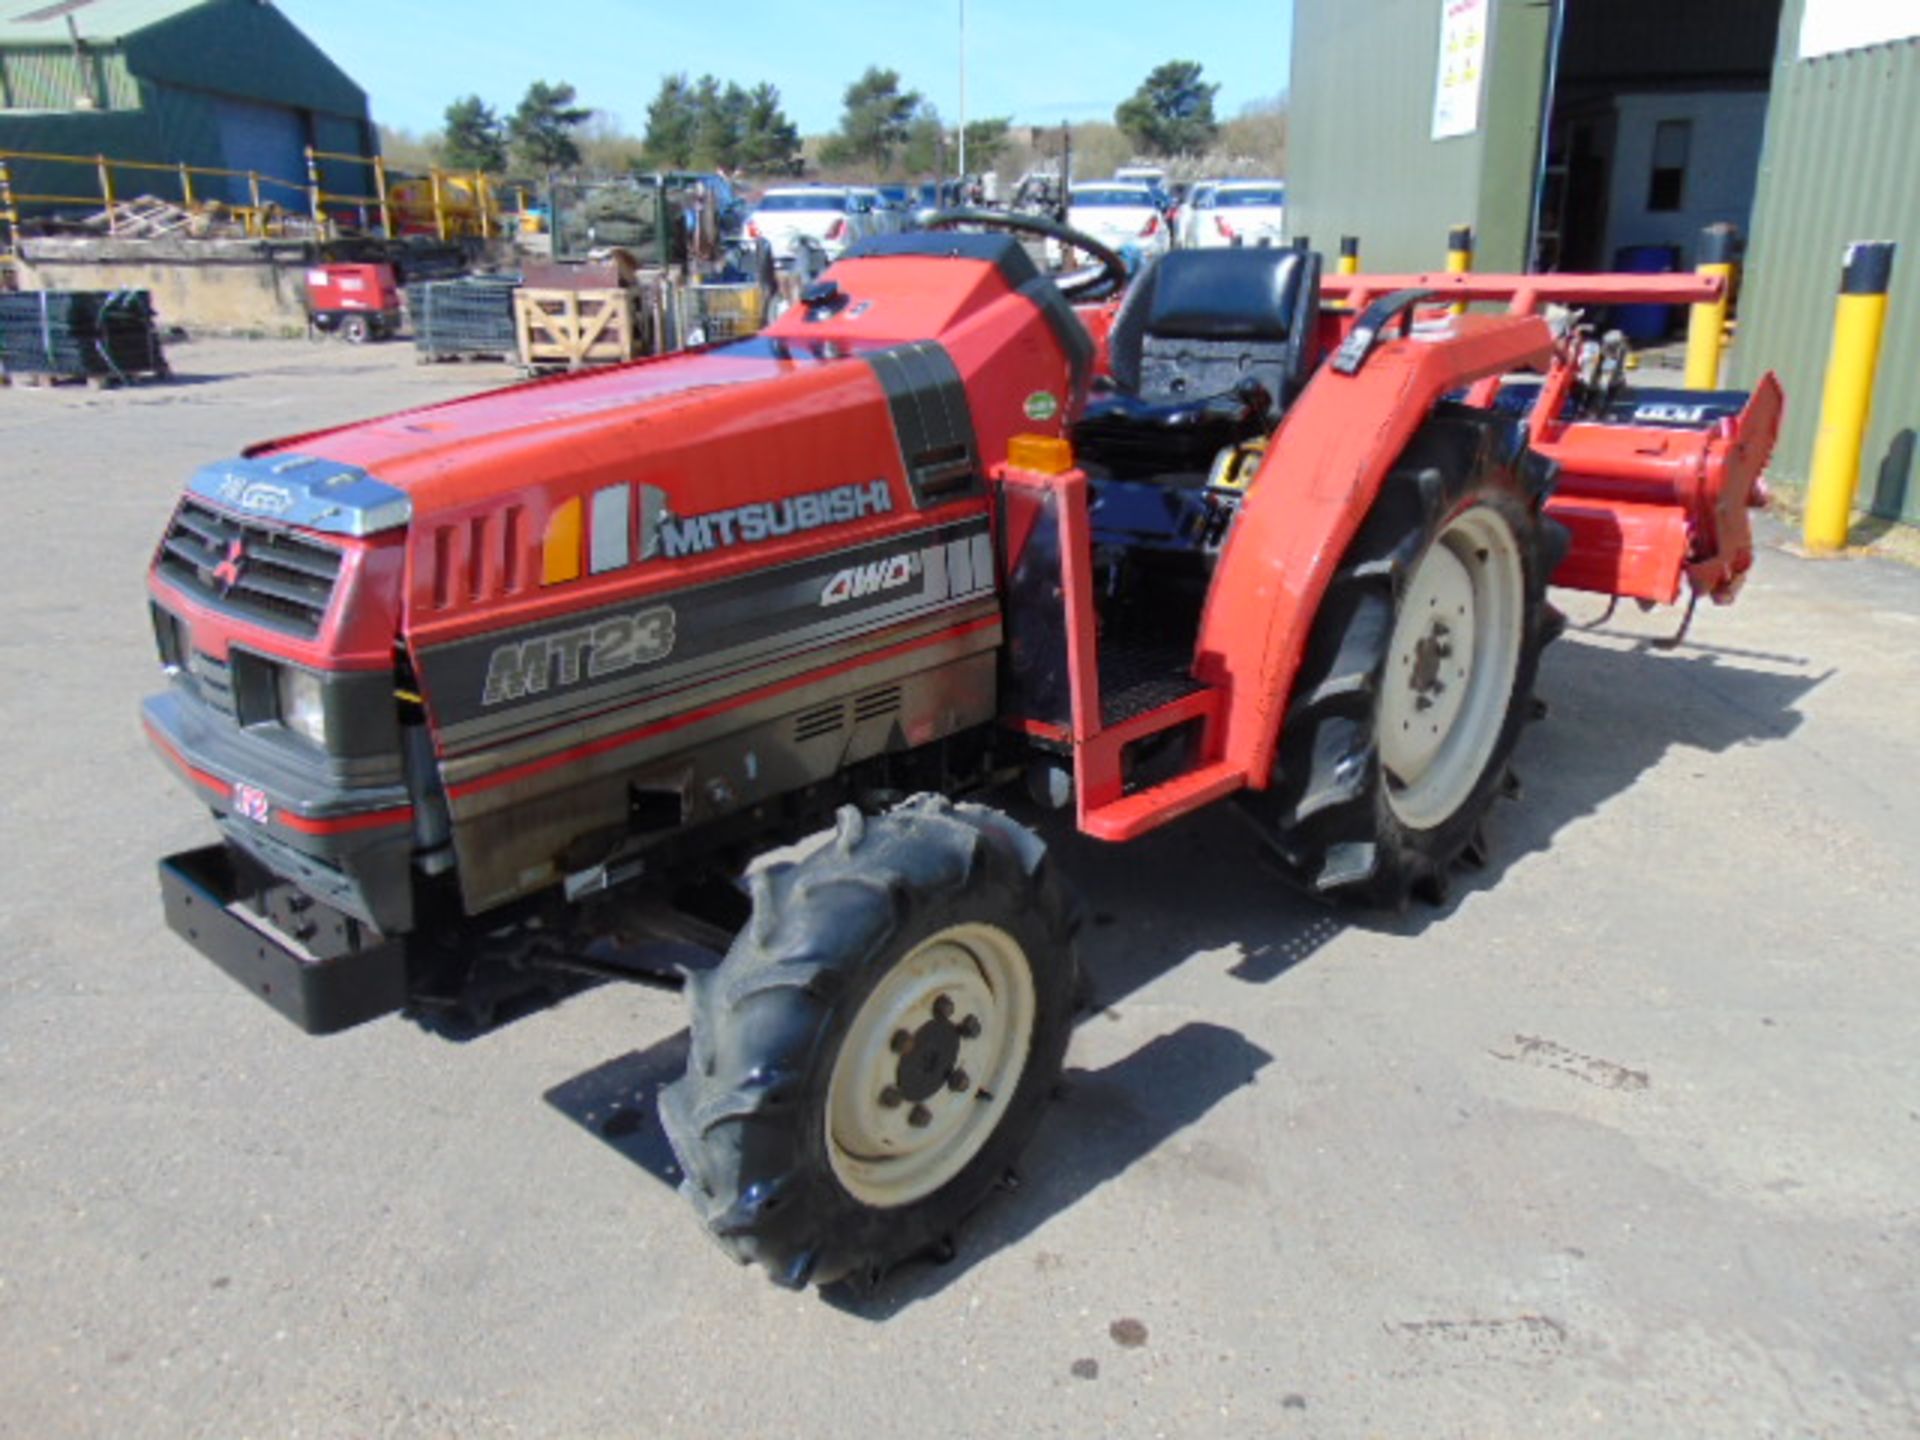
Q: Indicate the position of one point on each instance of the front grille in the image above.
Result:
(213, 679)
(278, 579)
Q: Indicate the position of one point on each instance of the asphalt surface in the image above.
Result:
(1625, 1141)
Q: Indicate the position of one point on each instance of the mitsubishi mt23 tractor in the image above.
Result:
(506, 694)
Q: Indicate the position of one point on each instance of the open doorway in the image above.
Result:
(1656, 113)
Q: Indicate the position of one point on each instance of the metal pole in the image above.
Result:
(1707, 320)
(186, 186)
(259, 222)
(380, 186)
(1460, 257)
(106, 192)
(1859, 317)
(439, 206)
(6, 208)
(963, 90)
(313, 192)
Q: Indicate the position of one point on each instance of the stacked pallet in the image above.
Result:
(79, 334)
(467, 317)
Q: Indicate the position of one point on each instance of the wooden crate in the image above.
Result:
(572, 328)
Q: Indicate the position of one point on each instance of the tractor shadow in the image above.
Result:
(1200, 895)
(1616, 714)
(1102, 1122)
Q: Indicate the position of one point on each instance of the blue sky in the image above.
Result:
(1038, 62)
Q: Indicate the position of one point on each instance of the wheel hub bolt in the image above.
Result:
(919, 1117)
(891, 1097)
(970, 1028)
(943, 1007)
(901, 1041)
(958, 1080)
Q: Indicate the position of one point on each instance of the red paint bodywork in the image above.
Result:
(1647, 507)
(343, 289)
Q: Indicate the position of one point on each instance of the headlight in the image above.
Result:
(302, 705)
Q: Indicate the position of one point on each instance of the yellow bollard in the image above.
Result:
(1707, 320)
(1349, 261)
(1460, 257)
(1859, 317)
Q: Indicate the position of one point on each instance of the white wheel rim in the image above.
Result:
(906, 1116)
(1451, 667)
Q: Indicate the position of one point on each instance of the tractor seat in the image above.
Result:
(1209, 348)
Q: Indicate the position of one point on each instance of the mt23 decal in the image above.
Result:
(587, 652)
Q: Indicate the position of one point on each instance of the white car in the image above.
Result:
(833, 216)
(1197, 196)
(1119, 216)
(884, 219)
(1241, 212)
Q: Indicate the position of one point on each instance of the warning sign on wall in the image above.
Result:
(1463, 63)
(1829, 26)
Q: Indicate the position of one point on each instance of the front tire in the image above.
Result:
(1419, 671)
(878, 1046)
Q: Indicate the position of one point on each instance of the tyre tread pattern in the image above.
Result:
(746, 1121)
(1326, 816)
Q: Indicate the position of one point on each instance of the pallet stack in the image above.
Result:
(467, 317)
(97, 335)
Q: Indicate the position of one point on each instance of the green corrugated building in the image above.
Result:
(227, 84)
(1592, 134)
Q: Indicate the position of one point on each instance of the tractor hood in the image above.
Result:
(848, 420)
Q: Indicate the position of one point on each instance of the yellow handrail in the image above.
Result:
(483, 207)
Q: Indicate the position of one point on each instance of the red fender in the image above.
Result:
(1322, 472)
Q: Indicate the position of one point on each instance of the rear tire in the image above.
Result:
(1419, 671)
(356, 329)
(878, 1045)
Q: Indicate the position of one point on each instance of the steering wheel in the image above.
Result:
(1094, 282)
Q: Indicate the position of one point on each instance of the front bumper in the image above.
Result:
(337, 973)
(349, 845)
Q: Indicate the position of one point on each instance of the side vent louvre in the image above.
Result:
(822, 720)
(875, 704)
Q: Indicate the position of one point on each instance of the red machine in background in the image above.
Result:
(358, 302)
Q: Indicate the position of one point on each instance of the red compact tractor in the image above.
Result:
(513, 690)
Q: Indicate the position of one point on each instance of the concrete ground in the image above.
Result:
(1624, 1142)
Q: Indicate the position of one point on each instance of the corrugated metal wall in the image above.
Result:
(1840, 164)
(164, 84)
(47, 79)
(243, 48)
(1361, 159)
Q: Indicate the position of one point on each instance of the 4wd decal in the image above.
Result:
(857, 582)
(586, 652)
(745, 524)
